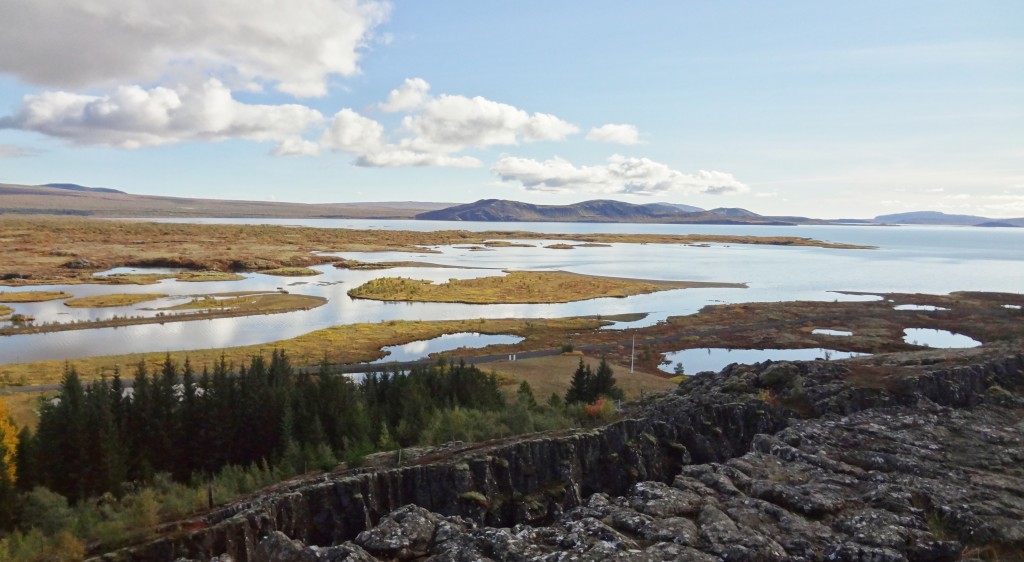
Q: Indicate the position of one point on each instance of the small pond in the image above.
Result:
(824, 332)
(716, 358)
(937, 338)
(422, 348)
(927, 307)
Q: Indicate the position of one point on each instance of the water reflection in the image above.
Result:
(937, 338)
(715, 358)
(422, 348)
(927, 260)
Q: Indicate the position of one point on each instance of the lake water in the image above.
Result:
(937, 338)
(716, 358)
(908, 259)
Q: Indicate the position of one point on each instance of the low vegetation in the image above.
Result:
(118, 299)
(204, 307)
(553, 375)
(5, 311)
(42, 250)
(516, 287)
(341, 345)
(290, 272)
(32, 296)
(151, 278)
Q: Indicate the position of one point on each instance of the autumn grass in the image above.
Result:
(290, 272)
(516, 287)
(32, 296)
(40, 250)
(255, 303)
(5, 310)
(361, 265)
(345, 344)
(553, 374)
(24, 407)
(118, 299)
(151, 278)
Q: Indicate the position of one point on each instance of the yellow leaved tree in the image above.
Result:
(8, 445)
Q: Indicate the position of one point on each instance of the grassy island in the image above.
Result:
(33, 296)
(117, 299)
(518, 287)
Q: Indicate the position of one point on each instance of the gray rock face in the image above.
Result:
(925, 467)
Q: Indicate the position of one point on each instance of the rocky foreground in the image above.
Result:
(916, 459)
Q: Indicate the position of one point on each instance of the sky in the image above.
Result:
(819, 109)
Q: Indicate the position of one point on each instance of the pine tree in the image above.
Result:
(604, 383)
(580, 388)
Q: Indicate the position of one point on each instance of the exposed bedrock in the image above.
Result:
(925, 466)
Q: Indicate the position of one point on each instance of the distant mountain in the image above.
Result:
(76, 187)
(733, 212)
(680, 206)
(937, 218)
(600, 210)
(73, 199)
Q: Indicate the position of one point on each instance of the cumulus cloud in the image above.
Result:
(435, 129)
(132, 117)
(621, 175)
(410, 95)
(451, 123)
(71, 45)
(615, 133)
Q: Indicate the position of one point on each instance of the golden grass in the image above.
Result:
(516, 287)
(118, 299)
(290, 272)
(33, 296)
(24, 407)
(5, 310)
(346, 344)
(547, 375)
(255, 303)
(151, 278)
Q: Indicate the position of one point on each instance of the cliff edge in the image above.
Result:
(910, 459)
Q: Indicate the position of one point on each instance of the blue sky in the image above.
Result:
(822, 109)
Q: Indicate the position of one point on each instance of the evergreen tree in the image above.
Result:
(604, 383)
(581, 386)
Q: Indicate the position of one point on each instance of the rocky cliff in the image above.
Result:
(778, 461)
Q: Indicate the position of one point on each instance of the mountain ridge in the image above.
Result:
(600, 210)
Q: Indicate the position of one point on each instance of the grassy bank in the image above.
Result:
(347, 344)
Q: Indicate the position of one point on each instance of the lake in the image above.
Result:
(921, 259)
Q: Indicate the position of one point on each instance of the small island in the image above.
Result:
(519, 287)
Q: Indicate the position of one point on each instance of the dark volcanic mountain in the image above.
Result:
(935, 217)
(600, 210)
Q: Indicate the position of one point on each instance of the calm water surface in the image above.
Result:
(907, 259)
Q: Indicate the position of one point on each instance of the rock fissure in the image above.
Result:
(776, 461)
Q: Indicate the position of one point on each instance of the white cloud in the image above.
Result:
(410, 95)
(63, 44)
(621, 175)
(435, 129)
(296, 147)
(615, 133)
(364, 137)
(451, 123)
(15, 151)
(132, 117)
